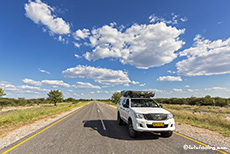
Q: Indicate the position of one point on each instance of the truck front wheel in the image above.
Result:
(166, 134)
(132, 132)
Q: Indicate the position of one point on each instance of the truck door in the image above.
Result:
(125, 109)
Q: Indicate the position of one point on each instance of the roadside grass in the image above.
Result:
(196, 108)
(214, 122)
(209, 117)
(19, 117)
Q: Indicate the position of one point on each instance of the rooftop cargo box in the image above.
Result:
(131, 93)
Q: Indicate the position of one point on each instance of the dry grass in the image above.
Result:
(209, 117)
(195, 108)
(17, 118)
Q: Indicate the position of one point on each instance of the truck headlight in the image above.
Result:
(139, 116)
(170, 116)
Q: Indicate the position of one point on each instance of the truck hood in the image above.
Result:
(146, 110)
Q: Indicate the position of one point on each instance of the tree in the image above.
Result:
(2, 92)
(221, 102)
(207, 100)
(115, 98)
(21, 101)
(55, 96)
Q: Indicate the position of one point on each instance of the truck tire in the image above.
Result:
(166, 134)
(119, 120)
(132, 132)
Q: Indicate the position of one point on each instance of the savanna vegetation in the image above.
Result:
(207, 112)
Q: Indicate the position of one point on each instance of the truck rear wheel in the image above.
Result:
(119, 120)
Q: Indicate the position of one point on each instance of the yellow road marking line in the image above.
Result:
(198, 142)
(42, 130)
(186, 137)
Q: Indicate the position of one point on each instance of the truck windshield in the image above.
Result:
(143, 103)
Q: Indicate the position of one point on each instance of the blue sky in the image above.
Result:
(91, 49)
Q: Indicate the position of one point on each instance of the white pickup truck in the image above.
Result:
(143, 114)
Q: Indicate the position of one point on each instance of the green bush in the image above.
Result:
(70, 99)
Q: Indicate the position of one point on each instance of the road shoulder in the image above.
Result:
(21, 132)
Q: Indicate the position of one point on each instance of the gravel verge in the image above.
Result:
(209, 137)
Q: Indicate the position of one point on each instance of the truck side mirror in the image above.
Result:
(126, 105)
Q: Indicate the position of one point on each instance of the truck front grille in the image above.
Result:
(156, 116)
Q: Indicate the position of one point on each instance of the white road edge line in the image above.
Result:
(103, 125)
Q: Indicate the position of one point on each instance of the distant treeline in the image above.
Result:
(207, 100)
(34, 101)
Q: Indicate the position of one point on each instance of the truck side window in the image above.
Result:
(126, 101)
(120, 102)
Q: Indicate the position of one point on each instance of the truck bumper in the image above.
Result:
(142, 125)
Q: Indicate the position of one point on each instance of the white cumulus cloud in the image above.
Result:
(44, 71)
(177, 90)
(31, 82)
(8, 86)
(135, 82)
(205, 58)
(215, 88)
(77, 56)
(100, 75)
(85, 85)
(77, 44)
(32, 88)
(153, 19)
(193, 90)
(142, 85)
(169, 78)
(105, 92)
(55, 83)
(81, 34)
(143, 46)
(184, 19)
(172, 72)
(41, 13)
(157, 91)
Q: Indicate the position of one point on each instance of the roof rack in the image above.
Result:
(131, 93)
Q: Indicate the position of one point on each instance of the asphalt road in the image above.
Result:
(94, 130)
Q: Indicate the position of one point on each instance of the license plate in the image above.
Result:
(158, 124)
